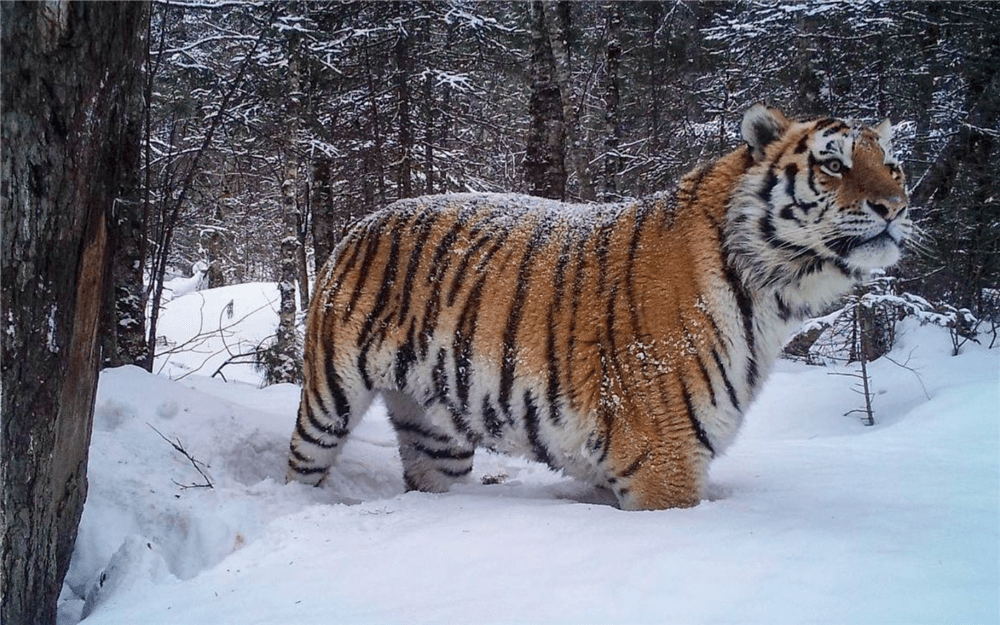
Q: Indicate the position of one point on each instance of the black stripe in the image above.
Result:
(577, 291)
(326, 428)
(784, 312)
(633, 250)
(406, 355)
(752, 373)
(453, 473)
(312, 440)
(458, 279)
(440, 262)
(552, 357)
(465, 331)
(770, 182)
(706, 378)
(803, 144)
(744, 303)
(385, 290)
(442, 454)
(811, 175)
(424, 225)
(298, 456)
(305, 471)
(491, 421)
(440, 378)
(725, 380)
(374, 240)
(633, 468)
(552, 386)
(699, 431)
(531, 425)
(408, 427)
(508, 359)
(340, 402)
(823, 123)
(791, 172)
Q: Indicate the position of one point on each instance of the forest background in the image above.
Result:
(266, 129)
(237, 141)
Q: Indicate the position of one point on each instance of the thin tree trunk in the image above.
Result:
(613, 130)
(403, 69)
(557, 23)
(286, 341)
(322, 211)
(69, 70)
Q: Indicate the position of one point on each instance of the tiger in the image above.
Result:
(619, 343)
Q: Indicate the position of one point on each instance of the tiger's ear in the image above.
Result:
(884, 132)
(762, 125)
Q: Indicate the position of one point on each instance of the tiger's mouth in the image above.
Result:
(878, 250)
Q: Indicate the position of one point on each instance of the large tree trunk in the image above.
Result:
(545, 157)
(68, 70)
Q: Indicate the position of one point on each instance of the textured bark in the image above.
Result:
(286, 345)
(67, 71)
(322, 211)
(404, 65)
(123, 332)
(557, 27)
(613, 132)
(545, 158)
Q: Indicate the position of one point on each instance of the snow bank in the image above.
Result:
(811, 516)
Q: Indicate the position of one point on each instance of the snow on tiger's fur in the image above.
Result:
(620, 343)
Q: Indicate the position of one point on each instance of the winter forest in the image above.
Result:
(176, 173)
(267, 129)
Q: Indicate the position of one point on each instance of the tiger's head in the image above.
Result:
(819, 192)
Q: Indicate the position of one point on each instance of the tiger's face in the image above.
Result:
(830, 189)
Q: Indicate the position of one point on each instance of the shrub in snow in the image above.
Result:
(865, 326)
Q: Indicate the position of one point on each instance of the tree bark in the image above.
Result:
(556, 16)
(545, 157)
(286, 343)
(613, 130)
(124, 325)
(323, 233)
(401, 54)
(68, 71)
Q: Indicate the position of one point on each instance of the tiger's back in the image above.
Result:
(616, 342)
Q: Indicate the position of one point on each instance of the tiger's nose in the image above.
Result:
(888, 208)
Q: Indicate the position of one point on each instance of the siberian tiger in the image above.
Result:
(620, 343)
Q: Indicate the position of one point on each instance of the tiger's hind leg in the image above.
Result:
(433, 459)
(325, 421)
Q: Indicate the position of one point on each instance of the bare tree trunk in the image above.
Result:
(428, 134)
(322, 211)
(403, 68)
(68, 72)
(613, 131)
(545, 158)
(557, 27)
(286, 343)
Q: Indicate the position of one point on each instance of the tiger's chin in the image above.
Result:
(878, 252)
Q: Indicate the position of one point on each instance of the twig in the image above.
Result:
(176, 444)
(910, 369)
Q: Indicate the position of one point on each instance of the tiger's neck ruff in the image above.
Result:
(619, 343)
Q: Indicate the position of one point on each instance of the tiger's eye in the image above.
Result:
(833, 166)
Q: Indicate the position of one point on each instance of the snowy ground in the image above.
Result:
(811, 517)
